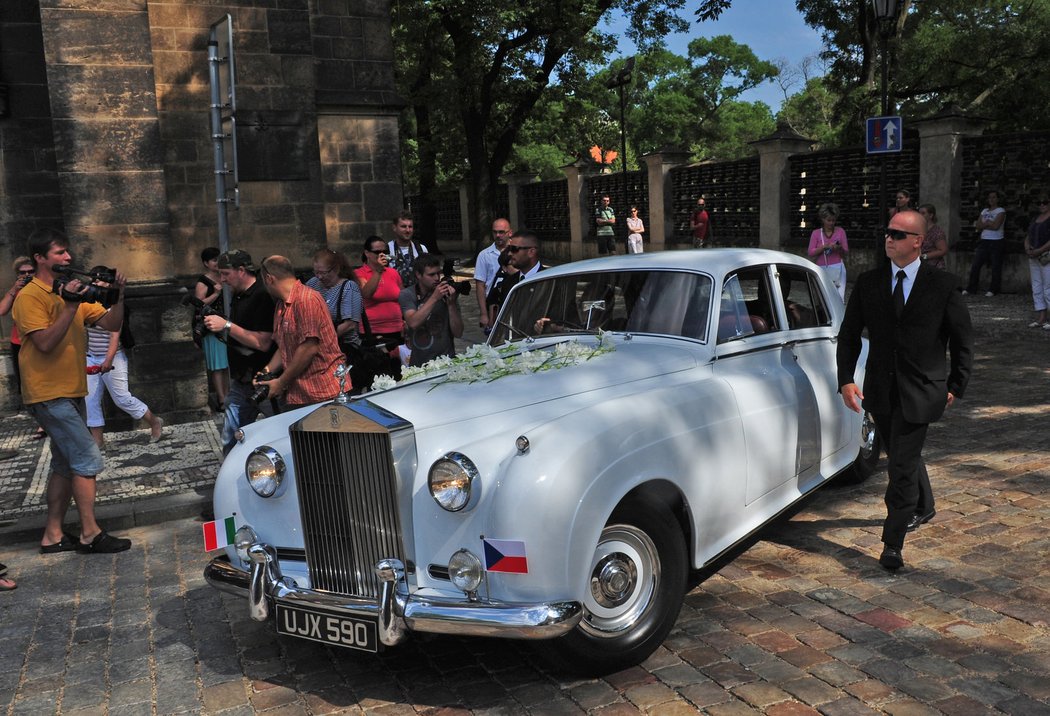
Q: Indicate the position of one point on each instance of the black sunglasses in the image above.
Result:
(515, 249)
(30, 272)
(899, 234)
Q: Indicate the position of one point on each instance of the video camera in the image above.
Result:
(447, 272)
(95, 292)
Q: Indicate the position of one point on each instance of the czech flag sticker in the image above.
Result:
(505, 555)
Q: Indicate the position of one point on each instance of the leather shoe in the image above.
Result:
(891, 559)
(917, 520)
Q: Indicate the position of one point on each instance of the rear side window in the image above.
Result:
(805, 303)
(746, 306)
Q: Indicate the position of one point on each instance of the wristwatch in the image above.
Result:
(227, 326)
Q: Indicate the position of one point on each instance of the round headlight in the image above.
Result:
(265, 470)
(450, 480)
(464, 569)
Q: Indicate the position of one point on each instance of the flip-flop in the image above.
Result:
(4, 587)
(68, 543)
(104, 543)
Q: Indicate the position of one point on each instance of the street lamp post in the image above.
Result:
(620, 81)
(886, 16)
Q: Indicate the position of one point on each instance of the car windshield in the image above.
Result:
(673, 303)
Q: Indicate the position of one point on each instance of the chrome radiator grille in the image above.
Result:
(348, 503)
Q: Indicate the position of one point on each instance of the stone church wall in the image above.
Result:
(106, 136)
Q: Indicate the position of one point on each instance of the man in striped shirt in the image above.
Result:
(307, 350)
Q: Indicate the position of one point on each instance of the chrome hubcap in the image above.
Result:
(623, 581)
(867, 436)
(613, 579)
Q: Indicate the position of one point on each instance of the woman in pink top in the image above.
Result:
(380, 288)
(828, 247)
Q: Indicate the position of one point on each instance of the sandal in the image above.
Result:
(68, 543)
(104, 543)
(7, 585)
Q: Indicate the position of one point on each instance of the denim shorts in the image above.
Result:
(73, 451)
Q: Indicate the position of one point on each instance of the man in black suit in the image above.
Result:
(912, 313)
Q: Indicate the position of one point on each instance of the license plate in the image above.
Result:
(327, 627)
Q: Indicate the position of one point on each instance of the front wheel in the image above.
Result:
(635, 586)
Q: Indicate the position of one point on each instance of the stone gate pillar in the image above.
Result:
(579, 217)
(774, 181)
(516, 197)
(940, 164)
(660, 224)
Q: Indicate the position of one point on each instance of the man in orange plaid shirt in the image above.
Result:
(307, 349)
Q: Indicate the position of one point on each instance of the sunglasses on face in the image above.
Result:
(26, 273)
(899, 234)
(515, 249)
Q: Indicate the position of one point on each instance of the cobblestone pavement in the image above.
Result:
(804, 622)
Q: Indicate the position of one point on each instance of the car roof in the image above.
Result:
(716, 262)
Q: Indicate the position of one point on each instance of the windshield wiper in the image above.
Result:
(512, 329)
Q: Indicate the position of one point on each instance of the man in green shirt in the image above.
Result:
(605, 218)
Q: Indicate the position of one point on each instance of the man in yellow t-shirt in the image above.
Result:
(52, 362)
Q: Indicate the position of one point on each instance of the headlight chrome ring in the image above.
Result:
(265, 470)
(451, 480)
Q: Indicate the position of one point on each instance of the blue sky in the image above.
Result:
(771, 28)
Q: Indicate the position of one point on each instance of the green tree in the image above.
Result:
(990, 58)
(487, 64)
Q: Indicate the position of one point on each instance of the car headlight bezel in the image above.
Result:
(451, 481)
(267, 473)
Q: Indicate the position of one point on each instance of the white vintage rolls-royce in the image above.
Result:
(630, 420)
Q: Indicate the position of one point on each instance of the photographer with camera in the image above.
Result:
(52, 312)
(249, 339)
(307, 349)
(431, 312)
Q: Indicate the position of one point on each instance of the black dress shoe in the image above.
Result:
(917, 520)
(891, 558)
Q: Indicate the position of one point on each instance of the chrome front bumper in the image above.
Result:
(396, 611)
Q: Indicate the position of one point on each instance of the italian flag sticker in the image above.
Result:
(218, 534)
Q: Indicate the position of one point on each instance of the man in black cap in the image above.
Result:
(249, 339)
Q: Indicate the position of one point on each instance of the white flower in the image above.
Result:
(531, 361)
(382, 382)
(483, 363)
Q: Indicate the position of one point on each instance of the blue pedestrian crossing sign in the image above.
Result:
(884, 135)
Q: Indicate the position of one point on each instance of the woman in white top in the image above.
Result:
(989, 247)
(107, 368)
(635, 229)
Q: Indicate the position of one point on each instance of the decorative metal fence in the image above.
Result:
(1017, 167)
(546, 210)
(731, 193)
(448, 217)
(850, 179)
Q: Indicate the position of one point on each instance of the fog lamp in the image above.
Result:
(244, 538)
(464, 570)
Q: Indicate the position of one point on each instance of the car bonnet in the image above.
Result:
(435, 401)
